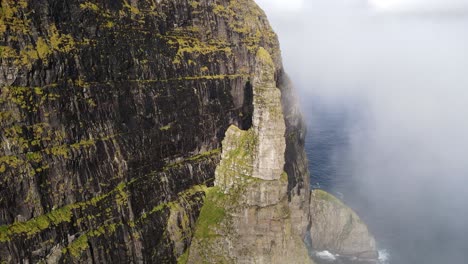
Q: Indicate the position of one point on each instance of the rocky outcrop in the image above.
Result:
(337, 229)
(247, 217)
(268, 120)
(112, 115)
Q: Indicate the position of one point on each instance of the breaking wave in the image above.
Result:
(325, 255)
(384, 256)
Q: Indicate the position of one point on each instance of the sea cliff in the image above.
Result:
(132, 130)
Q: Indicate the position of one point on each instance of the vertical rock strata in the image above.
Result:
(247, 217)
(268, 120)
(112, 115)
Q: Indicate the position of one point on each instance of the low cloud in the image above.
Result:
(421, 6)
(278, 6)
(404, 81)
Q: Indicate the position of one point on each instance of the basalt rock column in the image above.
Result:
(247, 216)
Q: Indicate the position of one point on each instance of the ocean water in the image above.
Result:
(327, 148)
(406, 234)
(325, 145)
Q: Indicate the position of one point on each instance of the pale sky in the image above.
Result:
(419, 5)
(380, 5)
(287, 5)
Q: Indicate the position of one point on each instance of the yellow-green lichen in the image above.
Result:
(193, 45)
(11, 161)
(43, 49)
(27, 56)
(165, 128)
(78, 246)
(182, 197)
(8, 53)
(61, 42)
(133, 9)
(325, 196)
(34, 156)
(65, 214)
(83, 144)
(37, 224)
(62, 150)
(194, 4)
(205, 155)
(89, 6)
(109, 24)
(13, 17)
(121, 197)
(284, 177)
(264, 56)
(183, 259)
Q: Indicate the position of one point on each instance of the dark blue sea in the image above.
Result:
(330, 127)
(405, 236)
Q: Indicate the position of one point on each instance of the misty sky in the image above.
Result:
(403, 66)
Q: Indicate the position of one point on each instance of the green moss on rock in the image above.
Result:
(211, 215)
(183, 259)
(37, 224)
(323, 195)
(78, 246)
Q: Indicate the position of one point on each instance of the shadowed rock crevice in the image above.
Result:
(247, 107)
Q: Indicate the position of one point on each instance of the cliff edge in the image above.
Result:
(247, 217)
(147, 131)
(112, 115)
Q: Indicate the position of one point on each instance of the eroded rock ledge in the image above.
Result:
(247, 217)
(338, 229)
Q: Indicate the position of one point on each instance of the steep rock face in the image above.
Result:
(111, 120)
(337, 229)
(268, 121)
(247, 217)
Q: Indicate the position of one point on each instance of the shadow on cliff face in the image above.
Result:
(401, 79)
(247, 107)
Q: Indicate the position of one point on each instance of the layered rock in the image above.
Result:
(338, 229)
(112, 115)
(247, 216)
(268, 120)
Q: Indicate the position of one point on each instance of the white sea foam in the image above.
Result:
(326, 255)
(384, 256)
